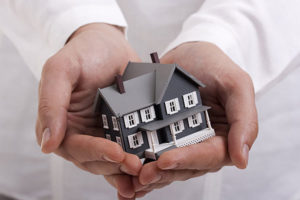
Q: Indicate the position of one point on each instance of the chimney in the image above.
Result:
(119, 83)
(154, 57)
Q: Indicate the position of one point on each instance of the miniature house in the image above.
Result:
(153, 108)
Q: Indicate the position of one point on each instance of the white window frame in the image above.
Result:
(177, 127)
(131, 120)
(172, 106)
(107, 136)
(135, 140)
(190, 99)
(115, 123)
(118, 139)
(195, 120)
(148, 114)
(105, 122)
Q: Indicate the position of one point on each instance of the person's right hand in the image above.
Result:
(66, 123)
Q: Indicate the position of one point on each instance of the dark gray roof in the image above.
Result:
(145, 84)
(163, 75)
(155, 125)
(138, 94)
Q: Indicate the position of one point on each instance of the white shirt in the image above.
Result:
(261, 36)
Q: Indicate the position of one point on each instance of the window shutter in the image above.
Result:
(199, 118)
(136, 118)
(195, 98)
(130, 141)
(186, 101)
(190, 120)
(143, 115)
(126, 121)
(167, 104)
(140, 138)
(181, 124)
(152, 112)
(177, 104)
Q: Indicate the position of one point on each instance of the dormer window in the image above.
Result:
(131, 120)
(190, 99)
(177, 127)
(195, 120)
(115, 123)
(105, 123)
(148, 114)
(172, 106)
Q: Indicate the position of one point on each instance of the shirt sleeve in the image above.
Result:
(261, 36)
(39, 28)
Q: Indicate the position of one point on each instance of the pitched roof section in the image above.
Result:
(145, 84)
(164, 73)
(138, 95)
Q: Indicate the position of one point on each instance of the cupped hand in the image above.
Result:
(230, 93)
(66, 123)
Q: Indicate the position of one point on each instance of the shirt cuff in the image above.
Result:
(64, 24)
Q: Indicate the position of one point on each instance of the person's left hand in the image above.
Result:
(233, 115)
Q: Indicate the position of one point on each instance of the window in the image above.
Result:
(195, 120)
(190, 99)
(115, 123)
(172, 106)
(119, 140)
(104, 120)
(148, 114)
(135, 140)
(131, 120)
(108, 136)
(177, 127)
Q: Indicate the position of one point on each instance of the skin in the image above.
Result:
(92, 57)
(66, 124)
(233, 115)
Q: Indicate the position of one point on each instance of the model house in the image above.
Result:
(153, 108)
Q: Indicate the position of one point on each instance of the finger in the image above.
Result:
(101, 168)
(131, 164)
(151, 177)
(150, 173)
(85, 148)
(242, 117)
(123, 184)
(209, 154)
(120, 197)
(56, 85)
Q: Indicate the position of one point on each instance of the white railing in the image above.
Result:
(196, 137)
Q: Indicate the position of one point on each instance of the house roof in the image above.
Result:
(155, 125)
(145, 84)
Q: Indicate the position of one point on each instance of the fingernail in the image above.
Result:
(108, 159)
(172, 166)
(156, 179)
(246, 153)
(45, 138)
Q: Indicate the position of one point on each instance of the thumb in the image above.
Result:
(54, 99)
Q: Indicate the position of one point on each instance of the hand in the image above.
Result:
(66, 123)
(233, 115)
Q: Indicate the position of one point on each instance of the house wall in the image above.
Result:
(178, 86)
(129, 131)
(187, 130)
(104, 109)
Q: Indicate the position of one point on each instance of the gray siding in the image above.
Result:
(179, 85)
